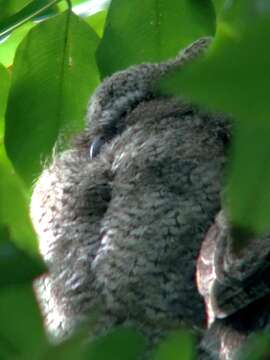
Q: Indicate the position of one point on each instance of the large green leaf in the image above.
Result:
(13, 198)
(179, 345)
(54, 73)
(32, 9)
(21, 330)
(10, 7)
(152, 30)
(14, 212)
(234, 78)
(258, 348)
(71, 349)
(120, 344)
(16, 266)
(9, 46)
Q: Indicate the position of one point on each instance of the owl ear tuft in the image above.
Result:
(121, 92)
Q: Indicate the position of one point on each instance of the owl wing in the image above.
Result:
(227, 280)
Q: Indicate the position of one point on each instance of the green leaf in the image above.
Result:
(21, 330)
(218, 4)
(97, 22)
(10, 7)
(233, 78)
(258, 348)
(71, 349)
(179, 345)
(151, 30)
(16, 266)
(9, 46)
(120, 344)
(14, 212)
(4, 89)
(28, 12)
(50, 89)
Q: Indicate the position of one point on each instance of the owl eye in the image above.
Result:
(96, 146)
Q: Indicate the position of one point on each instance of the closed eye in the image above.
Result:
(96, 146)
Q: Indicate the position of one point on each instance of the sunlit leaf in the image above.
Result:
(77, 2)
(28, 12)
(151, 30)
(97, 22)
(86, 8)
(9, 46)
(234, 78)
(50, 89)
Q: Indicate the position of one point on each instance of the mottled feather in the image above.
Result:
(122, 214)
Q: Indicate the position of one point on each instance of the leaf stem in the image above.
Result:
(69, 4)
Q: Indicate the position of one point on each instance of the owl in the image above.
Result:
(121, 215)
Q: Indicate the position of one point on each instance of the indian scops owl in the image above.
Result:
(122, 214)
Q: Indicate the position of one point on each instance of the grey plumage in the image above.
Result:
(235, 284)
(121, 229)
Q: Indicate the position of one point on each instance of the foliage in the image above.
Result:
(235, 80)
(52, 72)
(49, 69)
(152, 30)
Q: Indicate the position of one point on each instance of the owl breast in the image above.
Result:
(121, 231)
